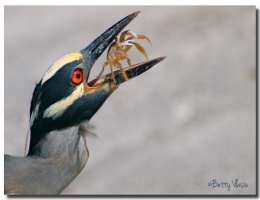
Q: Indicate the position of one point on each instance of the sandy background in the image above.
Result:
(172, 130)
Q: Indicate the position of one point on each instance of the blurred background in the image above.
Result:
(172, 130)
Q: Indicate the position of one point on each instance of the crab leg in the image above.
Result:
(143, 37)
(140, 48)
(103, 67)
(128, 32)
(126, 48)
(122, 71)
(112, 72)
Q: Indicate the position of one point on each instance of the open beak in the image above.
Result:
(93, 51)
(131, 72)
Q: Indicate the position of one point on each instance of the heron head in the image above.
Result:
(66, 97)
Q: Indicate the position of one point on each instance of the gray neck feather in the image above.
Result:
(60, 157)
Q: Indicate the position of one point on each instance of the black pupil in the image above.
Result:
(78, 76)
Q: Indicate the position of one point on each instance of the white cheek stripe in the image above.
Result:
(60, 63)
(59, 107)
(34, 114)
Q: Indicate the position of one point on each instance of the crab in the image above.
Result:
(118, 51)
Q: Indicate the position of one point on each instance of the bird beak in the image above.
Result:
(131, 72)
(93, 51)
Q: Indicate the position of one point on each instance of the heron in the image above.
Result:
(62, 104)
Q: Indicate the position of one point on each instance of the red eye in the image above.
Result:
(77, 76)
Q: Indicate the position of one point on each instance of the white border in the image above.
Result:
(132, 2)
(96, 2)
